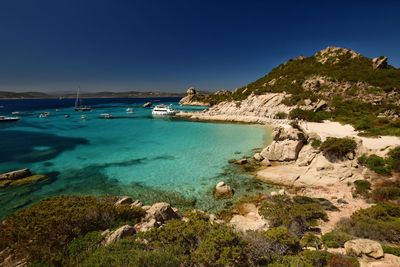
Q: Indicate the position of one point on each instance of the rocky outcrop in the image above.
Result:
(124, 201)
(380, 62)
(114, 236)
(267, 105)
(334, 55)
(20, 177)
(193, 98)
(286, 144)
(223, 190)
(161, 212)
(15, 175)
(361, 247)
(156, 215)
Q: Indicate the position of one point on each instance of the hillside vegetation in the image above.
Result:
(357, 89)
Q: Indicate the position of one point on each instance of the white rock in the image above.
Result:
(360, 247)
(118, 234)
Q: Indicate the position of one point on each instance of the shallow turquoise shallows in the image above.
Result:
(132, 154)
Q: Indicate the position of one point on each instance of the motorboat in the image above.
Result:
(15, 113)
(78, 104)
(106, 116)
(66, 116)
(83, 117)
(129, 110)
(9, 119)
(163, 110)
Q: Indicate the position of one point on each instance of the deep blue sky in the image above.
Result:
(169, 45)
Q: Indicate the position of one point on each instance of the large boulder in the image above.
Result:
(112, 237)
(161, 212)
(223, 190)
(286, 150)
(380, 62)
(360, 247)
(290, 133)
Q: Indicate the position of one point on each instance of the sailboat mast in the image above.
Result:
(77, 98)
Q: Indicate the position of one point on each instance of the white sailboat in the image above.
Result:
(78, 103)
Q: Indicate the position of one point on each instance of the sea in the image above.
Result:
(151, 159)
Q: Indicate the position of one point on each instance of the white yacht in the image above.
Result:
(129, 110)
(163, 110)
(106, 116)
(8, 119)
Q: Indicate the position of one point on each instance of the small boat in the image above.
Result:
(147, 105)
(78, 104)
(66, 116)
(163, 110)
(15, 113)
(106, 116)
(129, 110)
(8, 119)
(44, 115)
(83, 117)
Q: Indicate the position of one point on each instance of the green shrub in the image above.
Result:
(379, 222)
(336, 239)
(280, 235)
(42, 231)
(362, 187)
(386, 193)
(394, 159)
(317, 258)
(316, 143)
(338, 147)
(281, 115)
(311, 240)
(282, 211)
(82, 247)
(391, 250)
(377, 164)
(308, 115)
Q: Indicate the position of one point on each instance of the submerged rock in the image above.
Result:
(241, 161)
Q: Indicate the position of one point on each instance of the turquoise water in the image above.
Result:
(132, 154)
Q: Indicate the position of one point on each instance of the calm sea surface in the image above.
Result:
(132, 154)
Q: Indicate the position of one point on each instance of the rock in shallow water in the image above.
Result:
(223, 190)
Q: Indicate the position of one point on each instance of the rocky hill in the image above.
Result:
(334, 83)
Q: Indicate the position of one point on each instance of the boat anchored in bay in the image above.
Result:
(163, 110)
(78, 104)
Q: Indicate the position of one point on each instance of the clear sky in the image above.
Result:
(169, 45)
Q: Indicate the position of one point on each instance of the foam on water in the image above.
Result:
(153, 159)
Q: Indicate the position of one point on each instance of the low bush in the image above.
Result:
(316, 143)
(393, 159)
(317, 259)
(308, 115)
(336, 239)
(283, 211)
(43, 231)
(311, 240)
(362, 187)
(386, 193)
(281, 115)
(379, 222)
(338, 147)
(391, 250)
